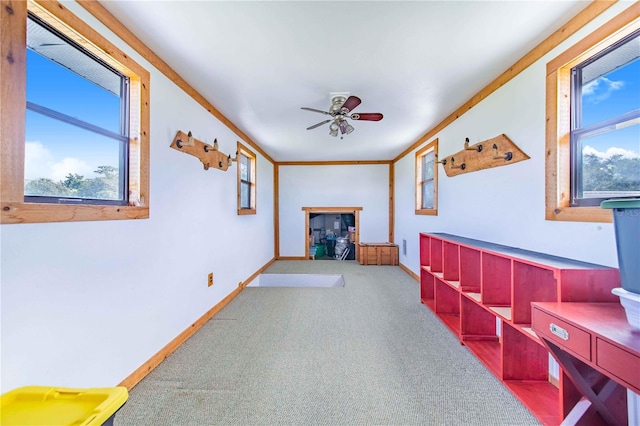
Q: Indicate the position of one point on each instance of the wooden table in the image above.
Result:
(599, 354)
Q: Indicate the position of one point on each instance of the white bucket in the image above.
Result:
(631, 303)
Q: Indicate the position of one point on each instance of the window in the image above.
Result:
(77, 126)
(75, 121)
(246, 180)
(427, 179)
(593, 122)
(605, 124)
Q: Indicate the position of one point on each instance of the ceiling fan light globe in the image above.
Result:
(349, 128)
(343, 126)
(333, 129)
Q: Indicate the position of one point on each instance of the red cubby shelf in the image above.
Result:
(469, 270)
(496, 280)
(523, 358)
(478, 333)
(436, 254)
(447, 305)
(426, 285)
(425, 254)
(483, 292)
(450, 261)
(531, 283)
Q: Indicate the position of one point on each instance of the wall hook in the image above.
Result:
(443, 162)
(466, 146)
(208, 148)
(453, 165)
(189, 142)
(507, 156)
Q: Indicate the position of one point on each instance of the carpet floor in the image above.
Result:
(368, 353)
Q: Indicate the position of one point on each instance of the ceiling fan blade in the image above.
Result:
(351, 103)
(315, 110)
(319, 124)
(367, 116)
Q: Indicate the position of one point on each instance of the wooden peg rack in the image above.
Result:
(494, 152)
(207, 154)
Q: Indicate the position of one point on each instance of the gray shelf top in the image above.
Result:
(518, 253)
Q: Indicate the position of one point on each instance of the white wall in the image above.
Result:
(505, 205)
(85, 304)
(365, 186)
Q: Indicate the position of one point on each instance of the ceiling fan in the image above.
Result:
(340, 110)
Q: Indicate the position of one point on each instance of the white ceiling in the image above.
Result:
(416, 62)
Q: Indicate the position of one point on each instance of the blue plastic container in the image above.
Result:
(626, 222)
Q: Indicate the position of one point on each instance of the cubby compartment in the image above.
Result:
(425, 257)
(524, 358)
(483, 292)
(426, 287)
(450, 262)
(447, 305)
(469, 270)
(525, 371)
(436, 255)
(478, 332)
(531, 283)
(496, 284)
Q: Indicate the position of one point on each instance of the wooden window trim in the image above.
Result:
(13, 106)
(558, 96)
(432, 146)
(252, 159)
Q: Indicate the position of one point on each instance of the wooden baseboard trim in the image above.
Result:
(141, 372)
(409, 271)
(292, 258)
(246, 282)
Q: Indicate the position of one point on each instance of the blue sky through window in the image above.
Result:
(55, 148)
(610, 95)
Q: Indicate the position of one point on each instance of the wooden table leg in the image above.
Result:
(597, 400)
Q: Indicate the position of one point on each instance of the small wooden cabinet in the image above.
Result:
(483, 293)
(378, 254)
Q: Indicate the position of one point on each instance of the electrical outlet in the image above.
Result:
(210, 280)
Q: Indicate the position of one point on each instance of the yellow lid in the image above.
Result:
(43, 405)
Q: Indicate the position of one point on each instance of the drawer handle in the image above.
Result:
(559, 331)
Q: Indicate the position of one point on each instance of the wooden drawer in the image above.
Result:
(562, 334)
(619, 363)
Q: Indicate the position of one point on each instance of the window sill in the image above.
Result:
(246, 211)
(43, 213)
(427, 212)
(579, 214)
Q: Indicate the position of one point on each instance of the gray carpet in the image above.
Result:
(365, 354)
